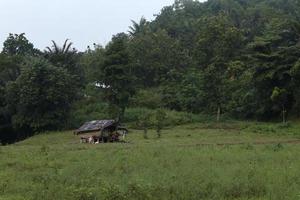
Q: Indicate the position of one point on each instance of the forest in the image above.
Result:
(237, 59)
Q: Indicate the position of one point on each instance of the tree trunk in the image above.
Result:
(121, 114)
(297, 108)
(283, 115)
(145, 133)
(218, 113)
(158, 133)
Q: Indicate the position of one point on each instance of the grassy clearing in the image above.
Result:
(198, 161)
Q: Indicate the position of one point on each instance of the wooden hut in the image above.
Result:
(101, 131)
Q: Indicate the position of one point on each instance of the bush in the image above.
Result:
(150, 98)
(87, 109)
(173, 118)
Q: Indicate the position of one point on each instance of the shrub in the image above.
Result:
(92, 109)
(150, 98)
(173, 118)
(87, 109)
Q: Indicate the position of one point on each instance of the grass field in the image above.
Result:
(232, 160)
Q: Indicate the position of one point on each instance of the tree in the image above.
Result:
(183, 91)
(41, 96)
(160, 117)
(219, 42)
(214, 88)
(10, 68)
(147, 98)
(241, 103)
(117, 78)
(15, 49)
(5, 119)
(18, 44)
(138, 27)
(144, 122)
(154, 55)
(92, 61)
(280, 97)
(66, 57)
(295, 85)
(272, 56)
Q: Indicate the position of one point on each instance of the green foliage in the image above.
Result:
(116, 77)
(138, 28)
(219, 40)
(273, 55)
(214, 87)
(183, 92)
(233, 57)
(173, 118)
(15, 50)
(92, 62)
(87, 110)
(10, 68)
(67, 58)
(154, 55)
(41, 96)
(148, 98)
(18, 45)
(144, 122)
(223, 57)
(279, 96)
(160, 117)
(295, 73)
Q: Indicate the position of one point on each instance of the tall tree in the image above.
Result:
(18, 44)
(154, 55)
(117, 77)
(41, 96)
(219, 42)
(295, 73)
(92, 61)
(273, 55)
(9, 68)
(138, 27)
(66, 57)
(280, 98)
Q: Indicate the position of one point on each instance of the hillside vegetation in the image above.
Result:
(232, 58)
(209, 91)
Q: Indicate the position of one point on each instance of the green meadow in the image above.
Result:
(232, 160)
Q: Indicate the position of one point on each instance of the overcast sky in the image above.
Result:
(83, 21)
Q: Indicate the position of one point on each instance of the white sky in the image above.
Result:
(83, 21)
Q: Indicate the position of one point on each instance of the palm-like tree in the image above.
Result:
(55, 49)
(138, 27)
(64, 56)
